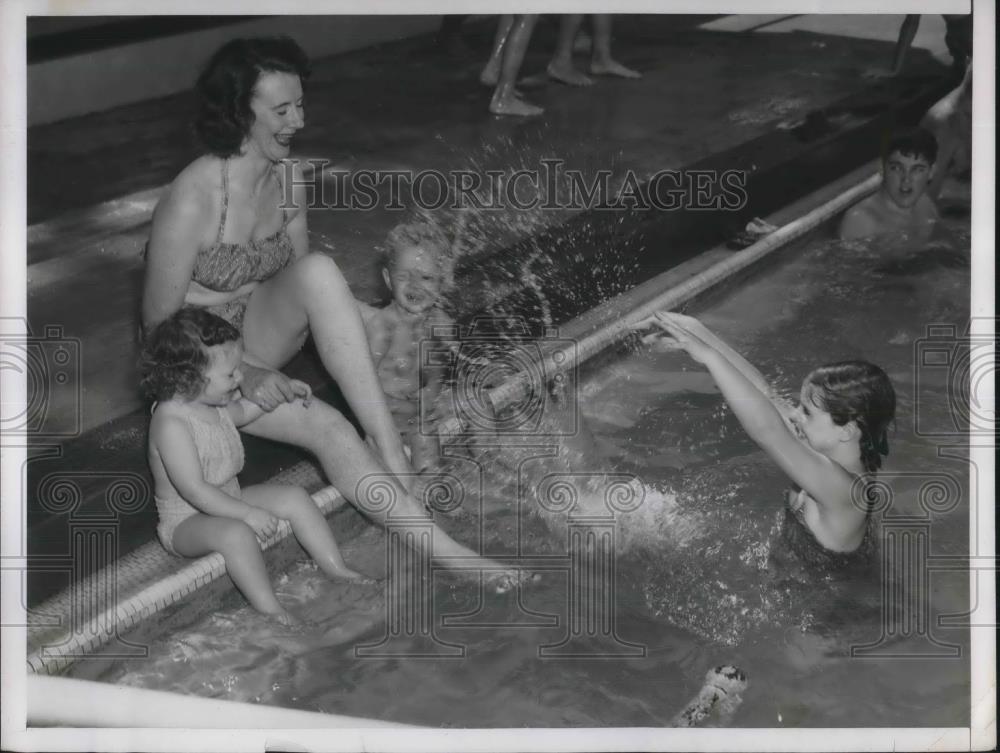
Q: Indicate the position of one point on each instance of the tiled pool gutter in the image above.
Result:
(95, 613)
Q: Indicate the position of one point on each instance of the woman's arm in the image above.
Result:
(178, 226)
(297, 227)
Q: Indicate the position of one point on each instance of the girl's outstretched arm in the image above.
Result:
(747, 369)
(822, 478)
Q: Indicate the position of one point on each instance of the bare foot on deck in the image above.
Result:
(611, 67)
(512, 105)
(567, 74)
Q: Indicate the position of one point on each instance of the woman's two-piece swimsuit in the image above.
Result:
(225, 267)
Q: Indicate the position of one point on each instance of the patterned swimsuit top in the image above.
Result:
(226, 266)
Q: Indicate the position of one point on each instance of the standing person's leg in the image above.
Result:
(491, 72)
(505, 100)
(561, 66)
(601, 62)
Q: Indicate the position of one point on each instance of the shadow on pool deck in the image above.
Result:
(704, 93)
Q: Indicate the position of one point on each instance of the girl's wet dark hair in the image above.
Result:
(858, 391)
(174, 356)
(226, 85)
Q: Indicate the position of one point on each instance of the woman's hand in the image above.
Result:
(269, 389)
(688, 334)
(263, 523)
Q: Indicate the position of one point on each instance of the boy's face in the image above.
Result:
(904, 178)
(415, 279)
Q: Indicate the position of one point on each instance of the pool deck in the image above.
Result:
(709, 84)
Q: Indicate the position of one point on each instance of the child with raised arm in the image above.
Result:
(414, 272)
(826, 445)
(190, 366)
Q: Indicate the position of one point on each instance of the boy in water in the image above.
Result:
(414, 272)
(901, 204)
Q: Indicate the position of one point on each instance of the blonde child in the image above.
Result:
(190, 366)
(414, 272)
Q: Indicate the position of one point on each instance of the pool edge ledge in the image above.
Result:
(59, 637)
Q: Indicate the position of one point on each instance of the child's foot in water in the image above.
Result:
(346, 575)
(284, 618)
(611, 67)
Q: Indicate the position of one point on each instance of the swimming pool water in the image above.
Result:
(688, 558)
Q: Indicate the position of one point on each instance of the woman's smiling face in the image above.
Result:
(278, 114)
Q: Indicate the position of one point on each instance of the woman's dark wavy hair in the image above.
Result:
(225, 87)
(174, 356)
(858, 391)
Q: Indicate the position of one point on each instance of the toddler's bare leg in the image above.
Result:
(293, 504)
(237, 543)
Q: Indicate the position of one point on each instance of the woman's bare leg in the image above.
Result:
(351, 466)
(312, 296)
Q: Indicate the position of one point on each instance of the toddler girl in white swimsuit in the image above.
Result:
(190, 366)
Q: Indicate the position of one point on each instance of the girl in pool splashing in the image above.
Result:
(829, 445)
(826, 445)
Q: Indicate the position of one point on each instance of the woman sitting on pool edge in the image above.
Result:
(828, 445)
(225, 238)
